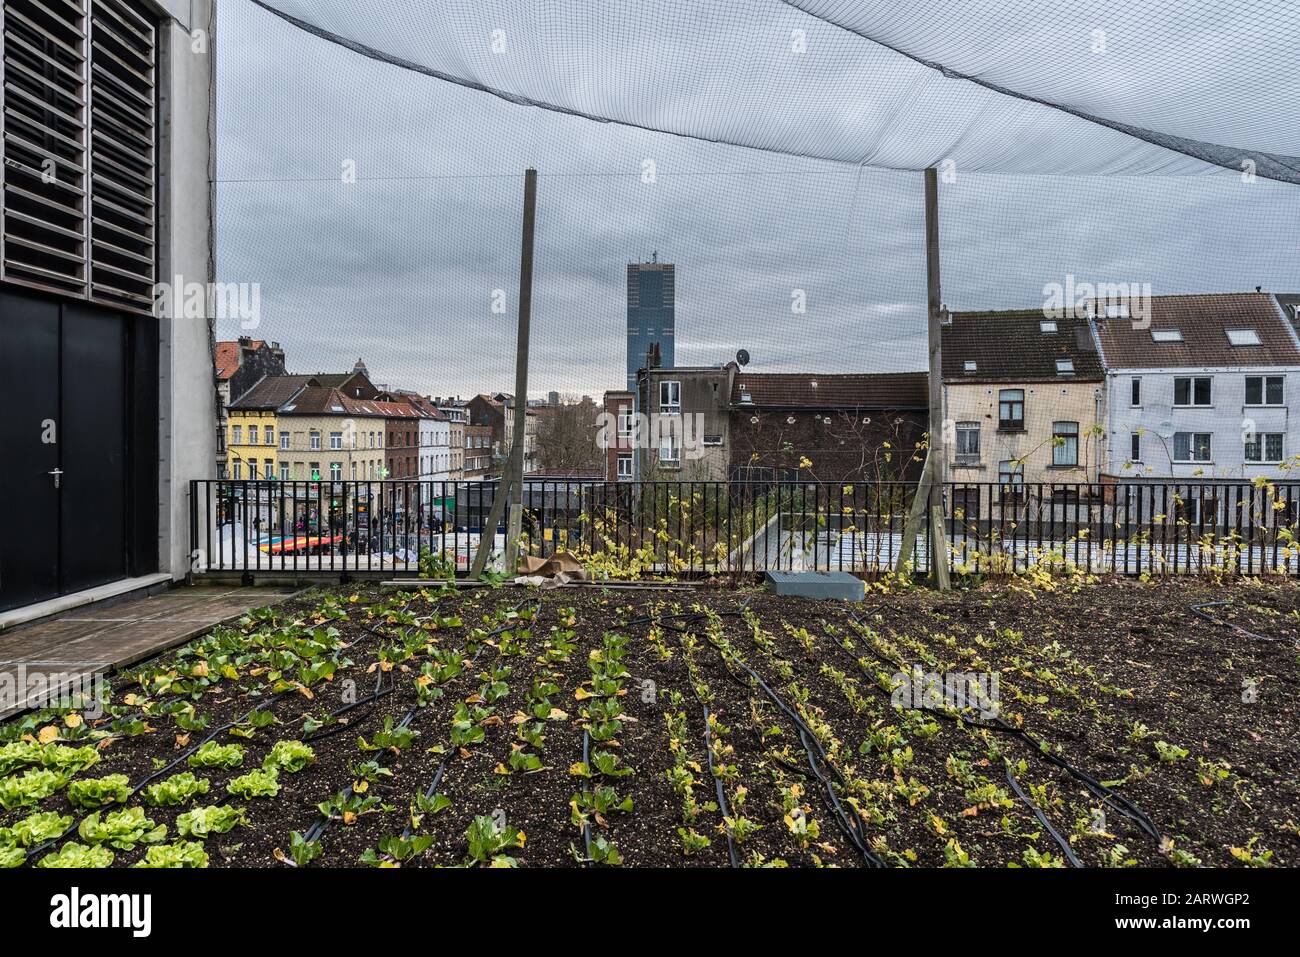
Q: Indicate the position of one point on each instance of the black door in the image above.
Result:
(68, 404)
(93, 524)
(29, 424)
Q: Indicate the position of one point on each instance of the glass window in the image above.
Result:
(1011, 476)
(1264, 390)
(284, 471)
(1192, 390)
(336, 440)
(270, 435)
(1135, 392)
(625, 466)
(336, 471)
(670, 395)
(1011, 409)
(1191, 446)
(1264, 447)
(1065, 443)
(268, 469)
(252, 435)
(968, 440)
(314, 440)
(284, 440)
(1135, 447)
(236, 435)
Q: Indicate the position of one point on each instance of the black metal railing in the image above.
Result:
(630, 528)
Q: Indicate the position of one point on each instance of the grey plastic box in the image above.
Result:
(834, 585)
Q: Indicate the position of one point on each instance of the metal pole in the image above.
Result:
(514, 528)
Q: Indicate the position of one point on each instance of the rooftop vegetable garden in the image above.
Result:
(1085, 725)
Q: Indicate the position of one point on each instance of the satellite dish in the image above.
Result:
(1165, 429)
(742, 357)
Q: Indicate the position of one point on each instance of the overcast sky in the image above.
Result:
(401, 267)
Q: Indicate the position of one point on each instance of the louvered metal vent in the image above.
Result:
(79, 148)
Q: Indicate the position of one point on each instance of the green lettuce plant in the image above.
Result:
(180, 854)
(74, 855)
(176, 790)
(213, 755)
(259, 783)
(291, 756)
(36, 829)
(121, 829)
(213, 819)
(100, 792)
(26, 789)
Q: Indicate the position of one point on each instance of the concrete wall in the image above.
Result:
(187, 397)
(1045, 403)
(1227, 418)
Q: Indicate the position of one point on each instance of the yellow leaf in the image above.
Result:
(47, 734)
(200, 670)
(72, 720)
(182, 740)
(349, 817)
(522, 837)
(360, 787)
(501, 769)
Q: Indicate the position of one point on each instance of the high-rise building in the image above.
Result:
(650, 316)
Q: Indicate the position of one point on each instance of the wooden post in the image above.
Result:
(511, 485)
(935, 470)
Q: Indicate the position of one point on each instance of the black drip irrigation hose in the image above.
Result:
(850, 822)
(1120, 803)
(380, 691)
(1199, 611)
(1061, 842)
(153, 776)
(717, 787)
(586, 825)
(319, 827)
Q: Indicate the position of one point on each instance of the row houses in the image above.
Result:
(1190, 387)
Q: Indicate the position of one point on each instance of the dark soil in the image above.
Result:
(1193, 720)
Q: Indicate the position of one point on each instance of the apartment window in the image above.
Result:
(236, 435)
(221, 470)
(1065, 367)
(1264, 389)
(270, 435)
(624, 467)
(336, 440)
(1135, 447)
(336, 471)
(268, 470)
(1189, 390)
(284, 440)
(968, 441)
(252, 435)
(313, 440)
(1191, 446)
(625, 417)
(1264, 447)
(238, 470)
(353, 471)
(1011, 476)
(1011, 410)
(314, 471)
(1135, 392)
(1065, 444)
(669, 450)
(284, 471)
(670, 396)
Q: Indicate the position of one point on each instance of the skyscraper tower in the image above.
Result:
(650, 314)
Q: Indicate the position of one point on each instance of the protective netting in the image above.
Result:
(1012, 86)
(767, 148)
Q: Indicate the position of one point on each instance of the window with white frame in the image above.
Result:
(1264, 447)
(670, 396)
(968, 441)
(336, 471)
(236, 435)
(252, 435)
(670, 450)
(313, 440)
(1192, 390)
(284, 471)
(1065, 444)
(1265, 389)
(1192, 447)
(268, 469)
(284, 440)
(336, 440)
(270, 435)
(625, 467)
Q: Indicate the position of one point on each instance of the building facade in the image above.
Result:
(683, 422)
(1024, 400)
(240, 365)
(1202, 390)
(619, 439)
(651, 315)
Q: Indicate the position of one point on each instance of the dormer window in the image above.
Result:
(970, 365)
(1166, 335)
(1047, 325)
(1065, 367)
(1243, 337)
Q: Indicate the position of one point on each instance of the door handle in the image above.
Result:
(58, 476)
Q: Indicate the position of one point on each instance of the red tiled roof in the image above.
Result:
(228, 353)
(1204, 321)
(896, 390)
